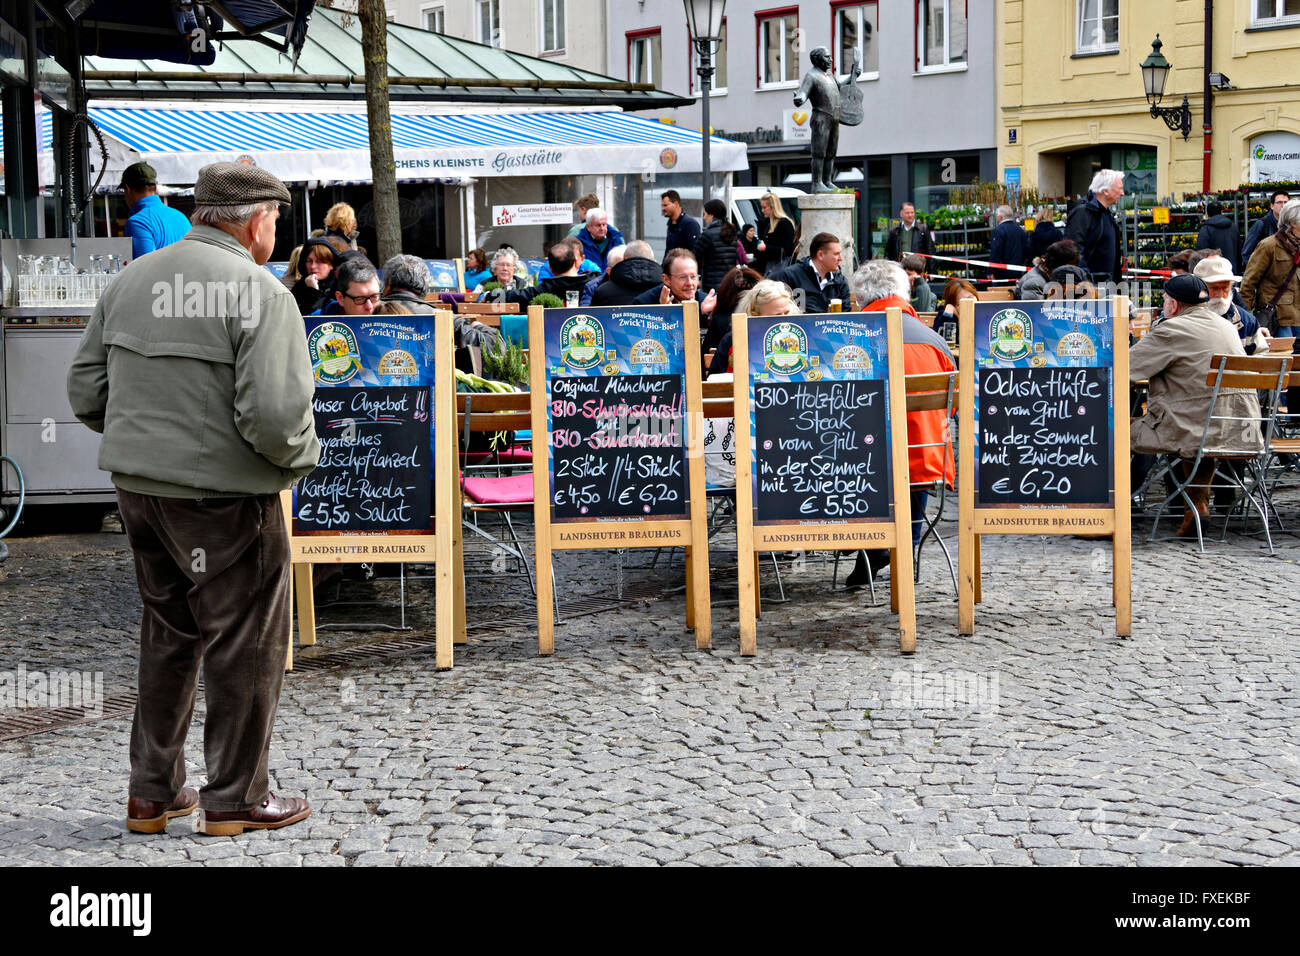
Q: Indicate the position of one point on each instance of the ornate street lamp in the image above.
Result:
(1155, 71)
(704, 21)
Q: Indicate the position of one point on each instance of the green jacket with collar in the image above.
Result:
(194, 366)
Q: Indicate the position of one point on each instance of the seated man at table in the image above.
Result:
(1175, 357)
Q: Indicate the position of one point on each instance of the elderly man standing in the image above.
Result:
(1092, 226)
(1175, 357)
(206, 414)
(598, 237)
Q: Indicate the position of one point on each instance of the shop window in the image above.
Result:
(489, 23)
(934, 177)
(940, 34)
(718, 85)
(552, 26)
(855, 26)
(1098, 26)
(643, 56)
(778, 47)
(434, 18)
(1267, 13)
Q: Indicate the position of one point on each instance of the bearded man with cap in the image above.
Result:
(150, 224)
(1216, 273)
(1174, 358)
(195, 368)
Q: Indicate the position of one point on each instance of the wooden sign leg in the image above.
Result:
(1121, 579)
(747, 584)
(545, 600)
(903, 588)
(459, 634)
(306, 604)
(893, 579)
(979, 572)
(966, 579)
(758, 596)
(690, 587)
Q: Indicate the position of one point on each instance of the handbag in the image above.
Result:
(1267, 314)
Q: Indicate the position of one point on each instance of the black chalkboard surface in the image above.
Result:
(373, 473)
(1044, 436)
(617, 447)
(821, 453)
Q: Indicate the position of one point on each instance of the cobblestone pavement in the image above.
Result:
(1041, 740)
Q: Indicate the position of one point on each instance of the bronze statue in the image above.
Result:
(831, 106)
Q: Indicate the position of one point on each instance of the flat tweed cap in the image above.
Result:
(237, 184)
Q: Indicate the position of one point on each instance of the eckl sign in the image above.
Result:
(537, 214)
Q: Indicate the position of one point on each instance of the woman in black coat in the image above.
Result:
(715, 250)
(314, 287)
(775, 235)
(1045, 234)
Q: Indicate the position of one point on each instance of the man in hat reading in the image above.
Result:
(150, 224)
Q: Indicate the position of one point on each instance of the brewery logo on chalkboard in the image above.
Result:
(335, 355)
(398, 363)
(647, 352)
(785, 349)
(583, 339)
(851, 358)
(1075, 345)
(1011, 335)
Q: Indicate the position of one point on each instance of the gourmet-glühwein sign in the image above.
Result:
(611, 393)
(1040, 449)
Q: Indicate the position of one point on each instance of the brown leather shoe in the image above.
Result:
(274, 812)
(151, 816)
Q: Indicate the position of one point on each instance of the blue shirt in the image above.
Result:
(151, 225)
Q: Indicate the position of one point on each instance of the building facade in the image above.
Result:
(568, 31)
(1071, 98)
(927, 83)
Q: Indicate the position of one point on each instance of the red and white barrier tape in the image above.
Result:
(1131, 270)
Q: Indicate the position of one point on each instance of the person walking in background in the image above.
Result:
(198, 489)
(1045, 233)
(775, 235)
(910, 235)
(683, 230)
(150, 224)
(341, 222)
(1092, 226)
(1219, 232)
(1008, 244)
(715, 249)
(1265, 226)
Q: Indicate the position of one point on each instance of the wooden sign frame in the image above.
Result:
(691, 533)
(896, 535)
(443, 548)
(1114, 522)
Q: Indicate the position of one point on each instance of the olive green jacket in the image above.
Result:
(194, 366)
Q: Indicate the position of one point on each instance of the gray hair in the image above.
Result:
(1005, 212)
(406, 274)
(1104, 179)
(639, 249)
(230, 215)
(1289, 216)
(505, 253)
(879, 279)
(615, 256)
(596, 213)
(355, 268)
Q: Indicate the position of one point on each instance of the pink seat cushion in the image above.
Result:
(508, 454)
(514, 490)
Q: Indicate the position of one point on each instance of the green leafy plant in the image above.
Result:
(547, 300)
(490, 286)
(506, 361)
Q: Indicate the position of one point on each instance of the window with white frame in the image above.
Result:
(643, 57)
(940, 34)
(778, 47)
(1271, 12)
(489, 22)
(552, 26)
(718, 84)
(855, 27)
(435, 18)
(1098, 26)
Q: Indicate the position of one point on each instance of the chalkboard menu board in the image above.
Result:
(373, 473)
(819, 419)
(616, 413)
(1044, 407)
(443, 275)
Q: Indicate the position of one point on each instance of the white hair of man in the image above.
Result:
(615, 256)
(1289, 216)
(639, 249)
(230, 215)
(596, 213)
(404, 273)
(1005, 213)
(506, 254)
(879, 279)
(1105, 179)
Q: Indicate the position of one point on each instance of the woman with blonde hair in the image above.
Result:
(341, 221)
(775, 235)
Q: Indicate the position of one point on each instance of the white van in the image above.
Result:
(744, 208)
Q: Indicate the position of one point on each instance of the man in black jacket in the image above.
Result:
(1265, 227)
(715, 250)
(683, 230)
(1008, 244)
(637, 273)
(406, 282)
(817, 279)
(1219, 232)
(564, 277)
(908, 236)
(1093, 228)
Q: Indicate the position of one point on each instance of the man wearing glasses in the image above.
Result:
(356, 286)
(1265, 227)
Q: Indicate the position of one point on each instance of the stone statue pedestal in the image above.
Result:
(833, 213)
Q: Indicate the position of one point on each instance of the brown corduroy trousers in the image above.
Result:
(214, 578)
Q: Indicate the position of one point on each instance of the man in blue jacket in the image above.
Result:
(598, 237)
(150, 224)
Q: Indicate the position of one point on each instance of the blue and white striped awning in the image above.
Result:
(300, 145)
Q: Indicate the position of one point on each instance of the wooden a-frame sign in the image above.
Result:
(871, 527)
(439, 544)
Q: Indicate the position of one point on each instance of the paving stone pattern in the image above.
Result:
(1041, 740)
